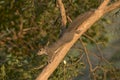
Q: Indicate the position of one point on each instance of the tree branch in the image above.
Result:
(48, 70)
(112, 6)
(104, 4)
(63, 13)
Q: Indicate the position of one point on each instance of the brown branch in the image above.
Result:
(48, 70)
(104, 4)
(112, 6)
(87, 56)
(20, 33)
(90, 38)
(63, 13)
(101, 53)
(95, 44)
(77, 61)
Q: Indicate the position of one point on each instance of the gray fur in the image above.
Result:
(68, 34)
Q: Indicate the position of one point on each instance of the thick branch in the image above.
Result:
(63, 13)
(112, 7)
(104, 4)
(48, 70)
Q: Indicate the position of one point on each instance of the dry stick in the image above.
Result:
(20, 33)
(87, 56)
(80, 58)
(103, 58)
(94, 42)
(104, 74)
(21, 24)
(39, 67)
(101, 53)
(48, 70)
(63, 13)
(93, 70)
(69, 19)
(88, 59)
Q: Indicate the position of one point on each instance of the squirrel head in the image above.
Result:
(42, 51)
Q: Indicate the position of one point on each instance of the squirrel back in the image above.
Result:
(69, 33)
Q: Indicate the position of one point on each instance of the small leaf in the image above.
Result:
(3, 71)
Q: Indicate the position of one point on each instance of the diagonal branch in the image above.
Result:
(104, 4)
(48, 70)
(112, 6)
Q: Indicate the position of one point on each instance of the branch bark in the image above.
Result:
(102, 9)
(112, 6)
(63, 13)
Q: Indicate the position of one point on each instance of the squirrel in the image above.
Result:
(67, 35)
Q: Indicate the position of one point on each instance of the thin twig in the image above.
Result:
(39, 67)
(97, 48)
(87, 56)
(78, 60)
(94, 42)
(69, 19)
